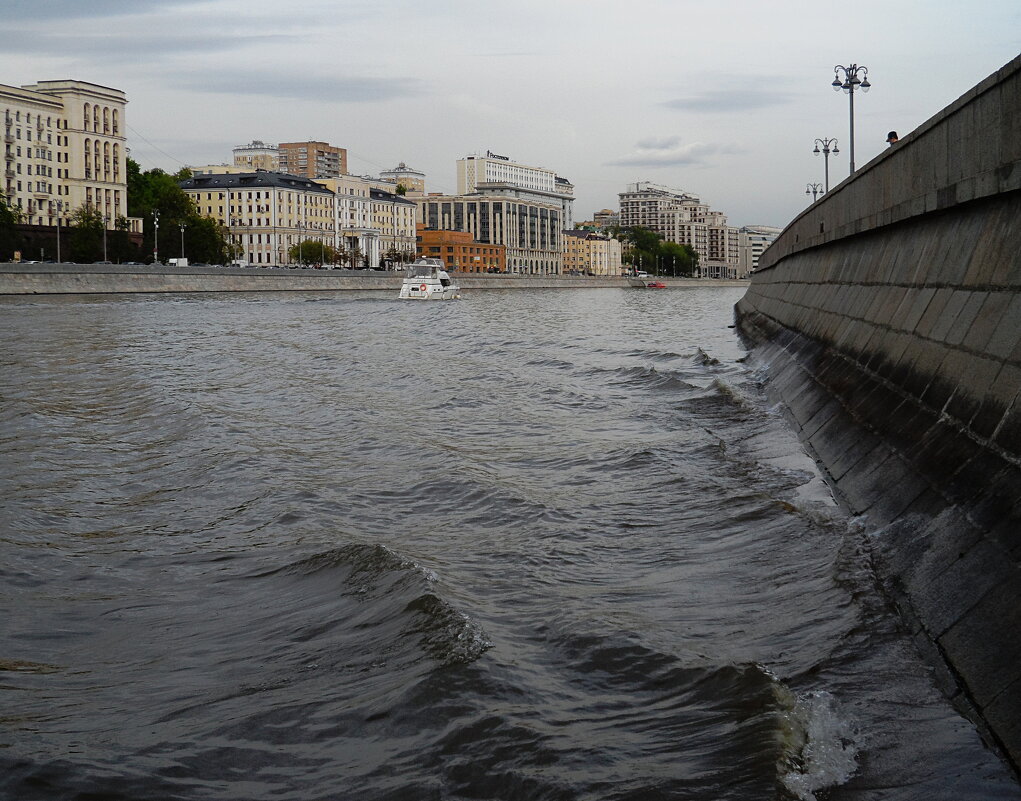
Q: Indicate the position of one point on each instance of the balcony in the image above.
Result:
(9, 138)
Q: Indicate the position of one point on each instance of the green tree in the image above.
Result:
(677, 259)
(85, 235)
(10, 238)
(119, 247)
(312, 251)
(155, 190)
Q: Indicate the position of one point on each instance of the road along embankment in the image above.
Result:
(63, 279)
(887, 319)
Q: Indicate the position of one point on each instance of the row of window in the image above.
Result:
(92, 116)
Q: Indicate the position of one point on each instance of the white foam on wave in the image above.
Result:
(822, 746)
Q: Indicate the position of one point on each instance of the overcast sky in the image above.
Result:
(720, 98)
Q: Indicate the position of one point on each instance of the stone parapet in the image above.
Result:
(887, 319)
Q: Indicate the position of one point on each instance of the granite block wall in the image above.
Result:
(887, 319)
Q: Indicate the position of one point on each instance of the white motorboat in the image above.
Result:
(425, 279)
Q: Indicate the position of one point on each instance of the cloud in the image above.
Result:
(670, 152)
(730, 100)
(24, 10)
(324, 89)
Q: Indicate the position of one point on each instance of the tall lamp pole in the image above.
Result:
(106, 221)
(814, 190)
(156, 237)
(826, 150)
(851, 82)
(60, 213)
(183, 226)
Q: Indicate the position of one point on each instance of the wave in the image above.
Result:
(821, 744)
(397, 596)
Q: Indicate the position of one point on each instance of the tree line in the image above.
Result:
(644, 249)
(86, 239)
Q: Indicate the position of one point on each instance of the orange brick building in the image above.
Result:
(460, 251)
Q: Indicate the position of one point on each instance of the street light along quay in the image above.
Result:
(849, 84)
(183, 226)
(60, 213)
(156, 237)
(826, 150)
(814, 190)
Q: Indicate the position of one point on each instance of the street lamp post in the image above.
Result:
(60, 213)
(156, 237)
(183, 226)
(106, 221)
(849, 84)
(826, 150)
(814, 190)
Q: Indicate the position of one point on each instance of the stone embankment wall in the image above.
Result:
(50, 279)
(887, 318)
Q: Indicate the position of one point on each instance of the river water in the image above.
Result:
(525, 545)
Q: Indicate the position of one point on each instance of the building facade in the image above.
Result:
(265, 213)
(478, 173)
(752, 241)
(64, 148)
(312, 159)
(257, 155)
(355, 228)
(460, 251)
(683, 218)
(529, 229)
(412, 180)
(394, 217)
(588, 253)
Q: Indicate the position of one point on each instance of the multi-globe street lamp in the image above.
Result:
(826, 150)
(156, 236)
(60, 213)
(814, 190)
(851, 82)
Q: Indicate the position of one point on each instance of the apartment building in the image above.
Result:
(412, 180)
(394, 217)
(355, 230)
(460, 251)
(683, 218)
(589, 253)
(257, 155)
(752, 242)
(605, 218)
(265, 213)
(312, 159)
(64, 148)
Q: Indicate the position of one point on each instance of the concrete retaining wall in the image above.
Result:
(46, 279)
(887, 318)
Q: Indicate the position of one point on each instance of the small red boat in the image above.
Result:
(655, 285)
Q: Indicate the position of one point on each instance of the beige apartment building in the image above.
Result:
(394, 217)
(752, 242)
(312, 159)
(64, 148)
(683, 218)
(257, 155)
(265, 213)
(589, 253)
(354, 228)
(412, 180)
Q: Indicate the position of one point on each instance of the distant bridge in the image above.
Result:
(888, 316)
